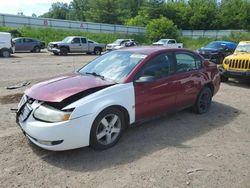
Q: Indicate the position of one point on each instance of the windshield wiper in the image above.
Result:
(95, 74)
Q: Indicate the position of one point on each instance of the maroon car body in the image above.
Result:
(94, 105)
(170, 93)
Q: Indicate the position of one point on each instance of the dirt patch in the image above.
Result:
(9, 99)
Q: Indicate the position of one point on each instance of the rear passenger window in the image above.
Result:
(171, 42)
(83, 40)
(28, 40)
(186, 62)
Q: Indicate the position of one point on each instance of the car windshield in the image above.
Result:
(118, 41)
(67, 39)
(163, 40)
(214, 45)
(243, 48)
(113, 66)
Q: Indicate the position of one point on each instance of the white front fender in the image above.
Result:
(119, 94)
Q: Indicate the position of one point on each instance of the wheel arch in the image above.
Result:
(210, 86)
(65, 46)
(123, 110)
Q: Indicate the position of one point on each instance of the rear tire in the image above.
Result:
(203, 101)
(5, 53)
(107, 129)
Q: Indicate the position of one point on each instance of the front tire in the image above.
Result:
(36, 49)
(64, 51)
(203, 101)
(107, 129)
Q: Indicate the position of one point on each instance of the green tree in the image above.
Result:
(58, 11)
(141, 19)
(106, 11)
(78, 9)
(235, 14)
(161, 28)
(179, 12)
(203, 13)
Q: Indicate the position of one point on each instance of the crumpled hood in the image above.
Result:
(60, 88)
(58, 42)
(208, 50)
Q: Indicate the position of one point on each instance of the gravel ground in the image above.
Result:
(177, 150)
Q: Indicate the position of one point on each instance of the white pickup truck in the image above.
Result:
(169, 43)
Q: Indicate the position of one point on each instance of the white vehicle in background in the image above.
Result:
(6, 44)
(120, 43)
(170, 43)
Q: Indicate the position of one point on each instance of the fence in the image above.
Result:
(207, 33)
(21, 21)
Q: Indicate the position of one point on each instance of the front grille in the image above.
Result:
(239, 64)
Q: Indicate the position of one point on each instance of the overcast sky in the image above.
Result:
(28, 7)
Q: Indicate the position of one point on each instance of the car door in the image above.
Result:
(29, 44)
(19, 45)
(155, 97)
(85, 45)
(189, 78)
(76, 45)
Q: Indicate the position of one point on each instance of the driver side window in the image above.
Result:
(76, 41)
(160, 66)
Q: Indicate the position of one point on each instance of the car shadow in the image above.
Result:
(243, 83)
(171, 130)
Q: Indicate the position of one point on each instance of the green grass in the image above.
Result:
(194, 44)
(48, 34)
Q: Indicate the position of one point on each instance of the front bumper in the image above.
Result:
(54, 50)
(234, 73)
(71, 134)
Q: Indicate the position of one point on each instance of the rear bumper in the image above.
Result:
(234, 73)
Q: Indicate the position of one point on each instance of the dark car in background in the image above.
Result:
(23, 44)
(216, 51)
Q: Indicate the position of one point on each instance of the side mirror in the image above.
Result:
(145, 79)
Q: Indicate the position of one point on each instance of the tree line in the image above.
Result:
(184, 14)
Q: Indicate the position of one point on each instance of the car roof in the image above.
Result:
(223, 41)
(147, 50)
(4, 33)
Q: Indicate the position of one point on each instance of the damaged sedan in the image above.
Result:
(93, 106)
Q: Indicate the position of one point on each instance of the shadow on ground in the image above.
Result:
(243, 83)
(139, 141)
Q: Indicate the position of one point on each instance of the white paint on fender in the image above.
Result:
(119, 94)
